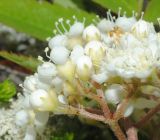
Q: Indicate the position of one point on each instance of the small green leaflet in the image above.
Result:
(7, 90)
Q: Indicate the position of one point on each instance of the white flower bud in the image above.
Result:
(76, 29)
(127, 40)
(74, 41)
(84, 67)
(67, 70)
(76, 53)
(114, 94)
(30, 83)
(57, 83)
(100, 77)
(129, 110)
(68, 89)
(96, 51)
(125, 23)
(57, 41)
(62, 99)
(43, 101)
(42, 85)
(142, 29)
(46, 71)
(105, 25)
(22, 118)
(59, 55)
(91, 32)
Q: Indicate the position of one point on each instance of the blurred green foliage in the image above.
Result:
(29, 63)
(7, 90)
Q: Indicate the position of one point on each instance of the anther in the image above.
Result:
(54, 32)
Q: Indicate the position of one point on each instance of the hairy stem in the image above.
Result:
(117, 131)
(103, 104)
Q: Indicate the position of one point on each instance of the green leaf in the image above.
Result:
(67, 136)
(152, 11)
(25, 61)
(126, 5)
(66, 4)
(7, 90)
(34, 18)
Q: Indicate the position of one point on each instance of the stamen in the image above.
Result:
(68, 22)
(133, 13)
(98, 18)
(124, 14)
(119, 11)
(84, 20)
(21, 85)
(136, 14)
(46, 51)
(61, 21)
(56, 24)
(109, 16)
(142, 14)
(74, 17)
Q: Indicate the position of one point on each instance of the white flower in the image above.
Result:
(57, 41)
(59, 55)
(91, 32)
(84, 67)
(128, 40)
(43, 101)
(46, 71)
(129, 110)
(76, 53)
(100, 77)
(125, 23)
(30, 83)
(22, 118)
(57, 83)
(62, 99)
(76, 29)
(105, 25)
(96, 51)
(114, 94)
(67, 71)
(141, 29)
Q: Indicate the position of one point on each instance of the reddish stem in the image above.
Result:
(148, 116)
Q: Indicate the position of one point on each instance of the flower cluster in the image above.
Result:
(118, 56)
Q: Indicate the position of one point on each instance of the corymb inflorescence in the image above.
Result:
(111, 61)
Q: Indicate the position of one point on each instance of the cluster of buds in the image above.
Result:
(111, 62)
